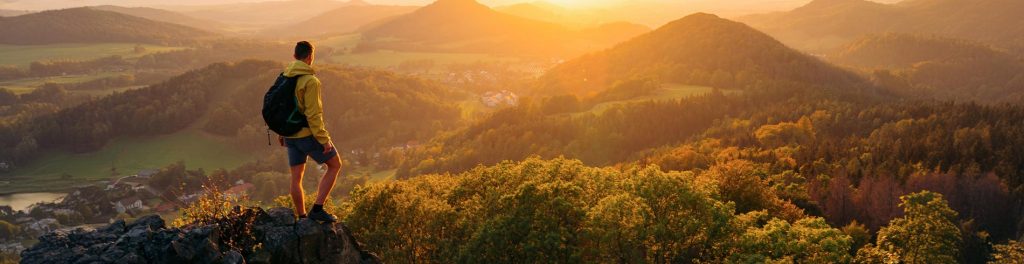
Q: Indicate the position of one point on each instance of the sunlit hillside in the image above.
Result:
(511, 131)
(826, 24)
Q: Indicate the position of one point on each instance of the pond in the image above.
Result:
(20, 201)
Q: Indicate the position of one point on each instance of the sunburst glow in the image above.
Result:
(583, 3)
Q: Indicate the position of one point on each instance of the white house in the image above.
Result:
(43, 225)
(127, 204)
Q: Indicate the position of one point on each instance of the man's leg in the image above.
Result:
(296, 189)
(327, 182)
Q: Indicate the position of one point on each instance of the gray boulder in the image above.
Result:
(254, 236)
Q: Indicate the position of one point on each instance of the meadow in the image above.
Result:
(23, 55)
(27, 85)
(60, 170)
(665, 93)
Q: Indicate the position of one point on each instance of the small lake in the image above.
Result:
(20, 201)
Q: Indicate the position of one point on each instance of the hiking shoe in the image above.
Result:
(322, 216)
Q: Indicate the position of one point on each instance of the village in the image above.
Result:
(101, 203)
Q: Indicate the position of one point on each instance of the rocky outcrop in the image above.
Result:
(253, 236)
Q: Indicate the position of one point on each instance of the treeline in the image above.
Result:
(46, 99)
(366, 108)
(857, 161)
(563, 125)
(370, 111)
(563, 211)
(113, 63)
(845, 160)
(196, 56)
(158, 109)
(935, 67)
(214, 51)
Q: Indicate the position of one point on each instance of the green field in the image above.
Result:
(128, 155)
(23, 55)
(667, 92)
(341, 42)
(22, 86)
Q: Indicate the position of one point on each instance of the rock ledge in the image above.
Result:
(253, 236)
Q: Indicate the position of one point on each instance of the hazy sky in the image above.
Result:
(52, 4)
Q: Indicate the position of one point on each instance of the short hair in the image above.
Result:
(303, 50)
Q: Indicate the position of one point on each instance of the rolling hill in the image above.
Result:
(824, 25)
(700, 49)
(339, 21)
(754, 73)
(165, 16)
(937, 67)
(370, 108)
(468, 26)
(256, 16)
(553, 13)
(86, 25)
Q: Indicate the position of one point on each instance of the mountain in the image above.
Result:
(256, 16)
(549, 12)
(700, 49)
(468, 26)
(937, 67)
(342, 20)
(165, 16)
(86, 25)
(823, 25)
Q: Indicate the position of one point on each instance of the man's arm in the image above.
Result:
(314, 111)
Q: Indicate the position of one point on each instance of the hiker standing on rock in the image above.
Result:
(293, 109)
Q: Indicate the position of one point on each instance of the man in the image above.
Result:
(313, 141)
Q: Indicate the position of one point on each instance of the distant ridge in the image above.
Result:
(700, 49)
(823, 25)
(87, 25)
(342, 20)
(250, 17)
(458, 19)
(165, 16)
(936, 67)
(468, 26)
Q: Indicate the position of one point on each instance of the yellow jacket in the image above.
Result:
(307, 92)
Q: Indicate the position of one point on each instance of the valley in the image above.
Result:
(822, 131)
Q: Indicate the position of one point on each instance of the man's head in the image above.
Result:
(304, 52)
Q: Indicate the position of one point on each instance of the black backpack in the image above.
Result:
(280, 107)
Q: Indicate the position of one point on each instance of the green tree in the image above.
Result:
(927, 233)
(860, 234)
(616, 228)
(808, 240)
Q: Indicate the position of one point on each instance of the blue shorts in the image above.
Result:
(300, 148)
